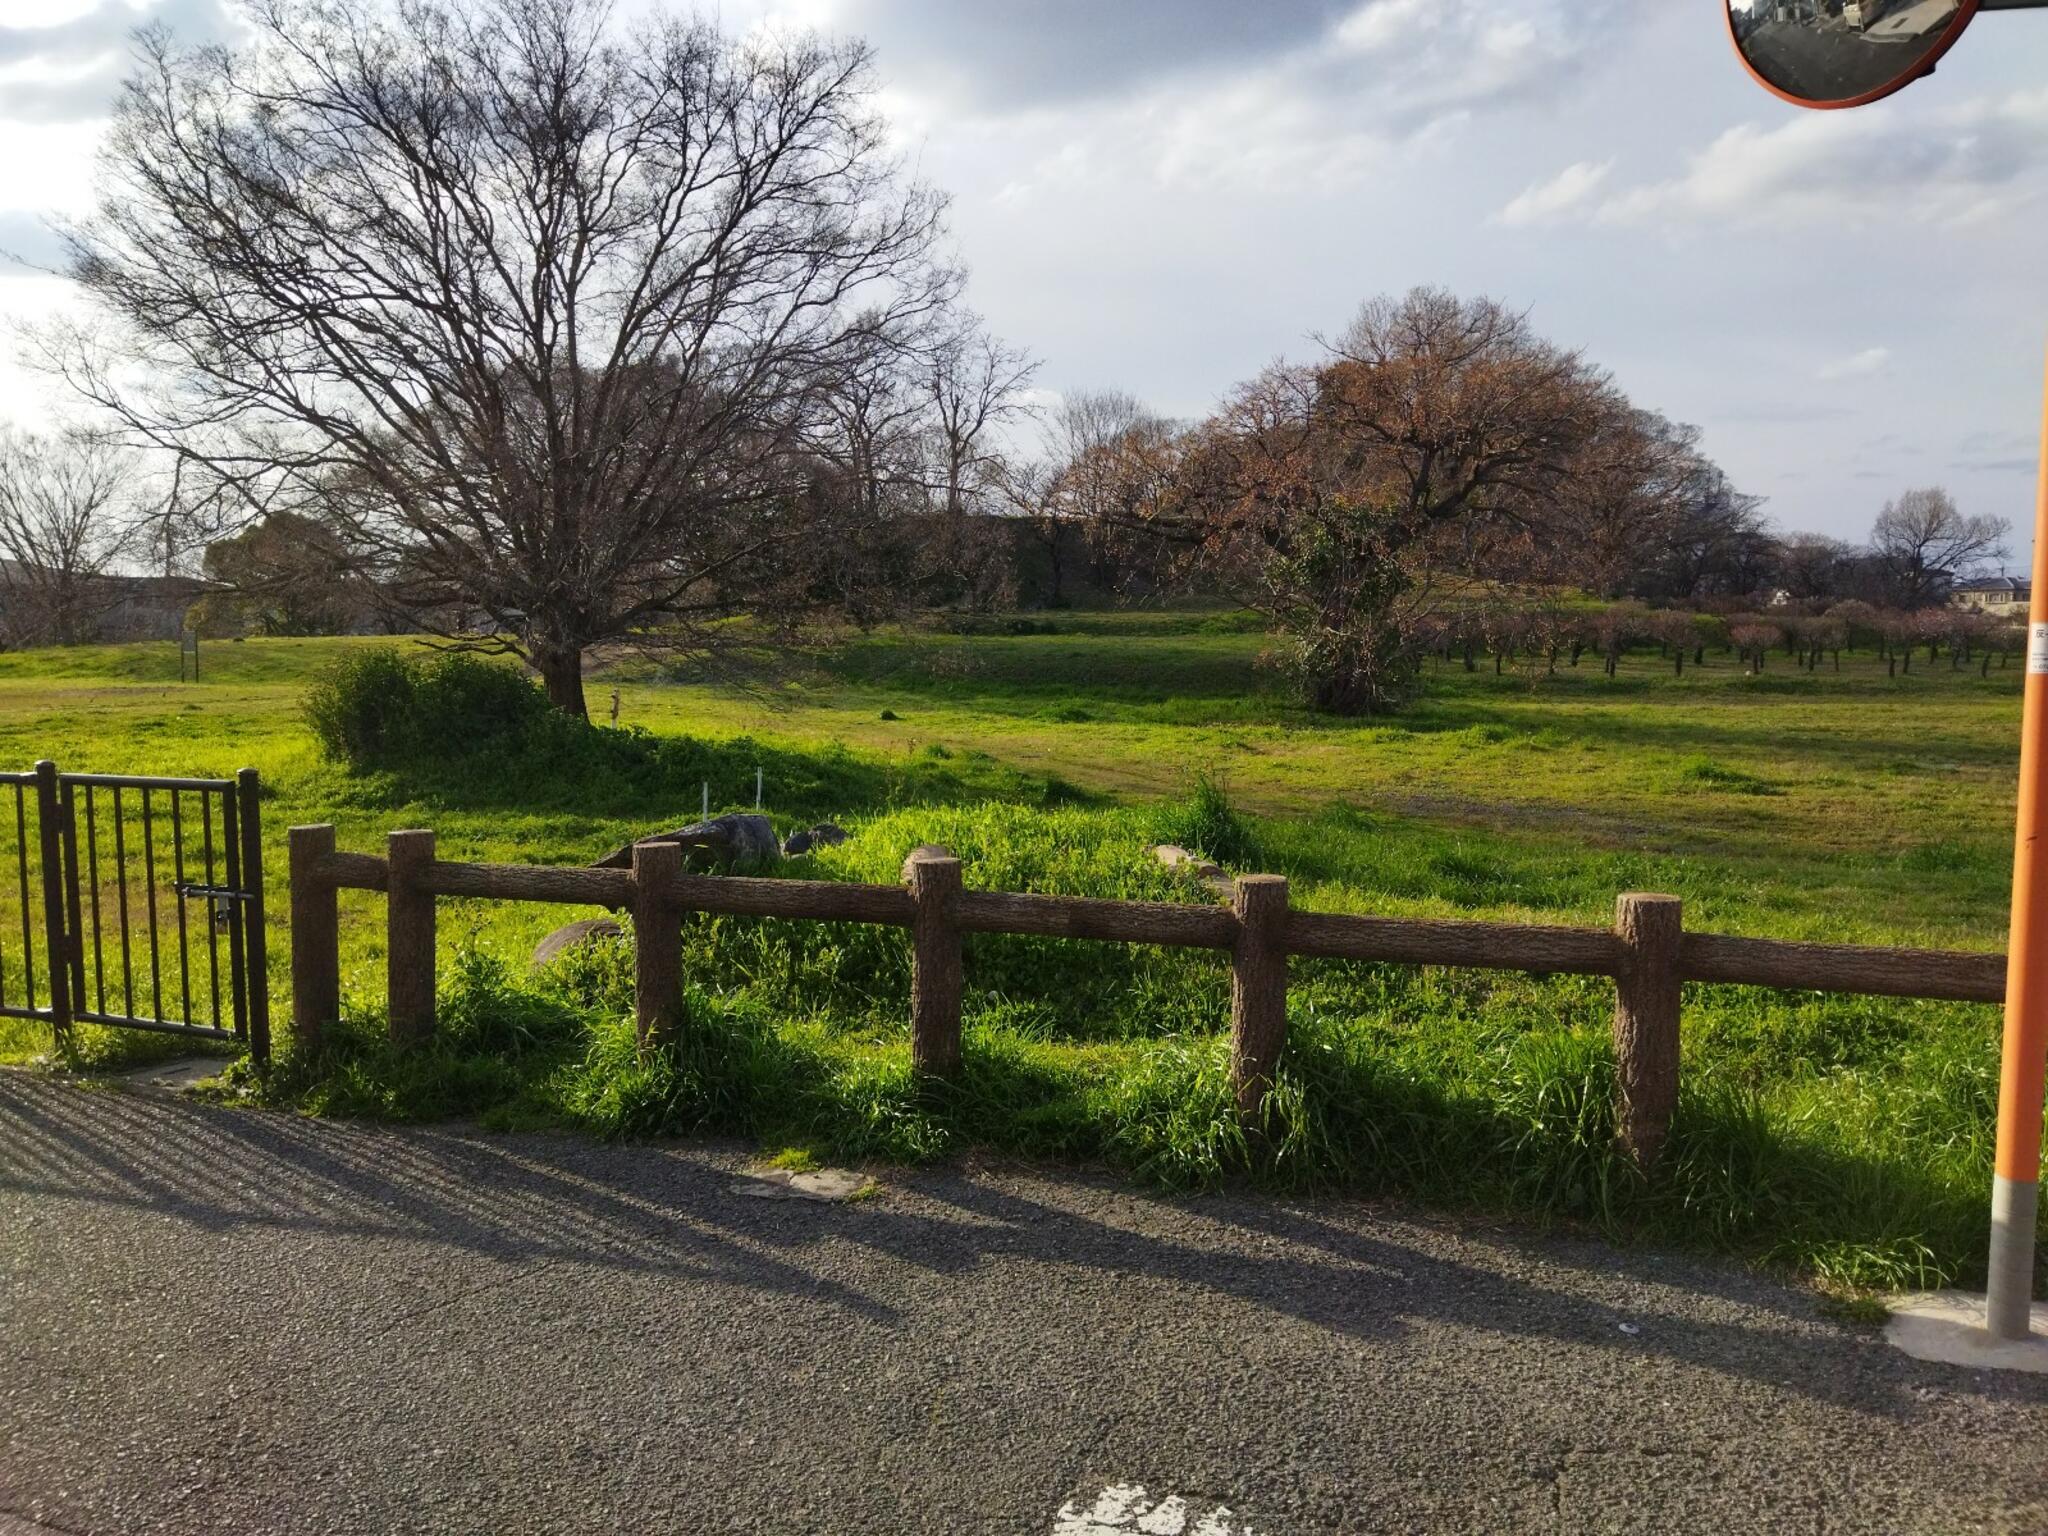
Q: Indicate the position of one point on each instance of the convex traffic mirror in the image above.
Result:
(1844, 53)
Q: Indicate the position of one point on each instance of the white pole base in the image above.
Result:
(1948, 1327)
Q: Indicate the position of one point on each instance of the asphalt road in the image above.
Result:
(221, 1321)
(1828, 63)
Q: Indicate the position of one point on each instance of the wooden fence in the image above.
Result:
(1647, 952)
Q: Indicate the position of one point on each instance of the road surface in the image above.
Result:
(224, 1321)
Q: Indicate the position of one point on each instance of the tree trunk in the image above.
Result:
(561, 671)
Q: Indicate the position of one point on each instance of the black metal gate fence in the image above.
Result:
(136, 901)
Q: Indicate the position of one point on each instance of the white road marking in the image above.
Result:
(1125, 1508)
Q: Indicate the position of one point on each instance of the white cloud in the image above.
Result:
(1859, 365)
(1391, 79)
(1566, 192)
(1964, 164)
(1384, 24)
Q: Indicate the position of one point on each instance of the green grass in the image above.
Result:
(1847, 1136)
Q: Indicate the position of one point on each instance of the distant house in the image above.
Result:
(107, 607)
(1993, 594)
(147, 607)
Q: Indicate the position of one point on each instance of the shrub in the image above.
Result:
(382, 708)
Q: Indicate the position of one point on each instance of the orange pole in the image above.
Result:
(2016, 1185)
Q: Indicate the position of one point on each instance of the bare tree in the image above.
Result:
(63, 524)
(1924, 544)
(1623, 504)
(1810, 565)
(575, 302)
(974, 384)
(1715, 544)
(1102, 466)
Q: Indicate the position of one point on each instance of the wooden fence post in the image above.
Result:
(657, 943)
(409, 938)
(1258, 989)
(936, 975)
(316, 939)
(1646, 993)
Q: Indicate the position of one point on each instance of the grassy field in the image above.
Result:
(1848, 1136)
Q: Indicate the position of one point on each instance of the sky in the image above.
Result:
(1164, 195)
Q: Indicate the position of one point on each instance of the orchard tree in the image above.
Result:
(578, 302)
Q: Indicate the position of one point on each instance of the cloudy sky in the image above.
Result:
(1162, 195)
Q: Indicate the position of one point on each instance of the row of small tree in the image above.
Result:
(1518, 632)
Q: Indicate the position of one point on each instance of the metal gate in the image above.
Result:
(140, 904)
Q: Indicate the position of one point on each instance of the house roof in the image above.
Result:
(1996, 584)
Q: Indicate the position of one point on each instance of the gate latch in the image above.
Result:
(217, 892)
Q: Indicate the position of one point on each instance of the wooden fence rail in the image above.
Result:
(1647, 952)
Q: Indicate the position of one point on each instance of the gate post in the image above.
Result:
(657, 943)
(1646, 999)
(1258, 989)
(248, 793)
(316, 939)
(56, 941)
(409, 938)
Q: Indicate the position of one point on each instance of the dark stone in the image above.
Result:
(825, 834)
(740, 840)
(570, 935)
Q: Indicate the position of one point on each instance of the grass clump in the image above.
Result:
(1204, 821)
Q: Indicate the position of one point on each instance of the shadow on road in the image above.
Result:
(672, 1210)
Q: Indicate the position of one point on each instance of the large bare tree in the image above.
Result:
(572, 307)
(65, 519)
(1923, 543)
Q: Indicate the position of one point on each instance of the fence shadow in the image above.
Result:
(673, 1211)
